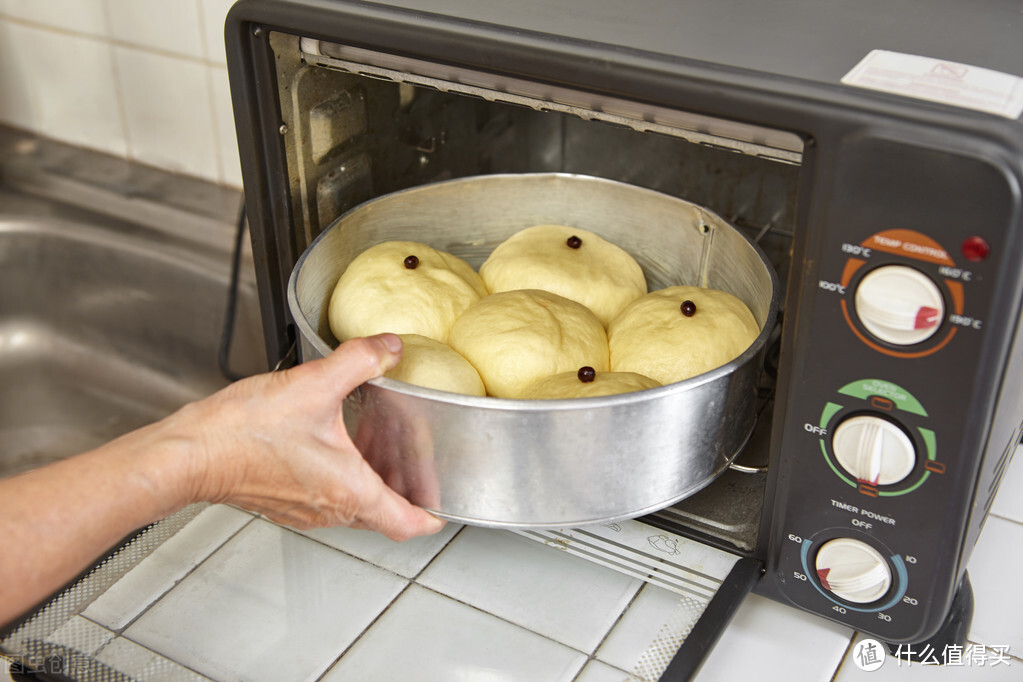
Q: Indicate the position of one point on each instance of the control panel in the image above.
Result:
(873, 476)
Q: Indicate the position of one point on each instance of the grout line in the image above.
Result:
(437, 554)
(1006, 518)
(214, 127)
(408, 584)
(621, 615)
(353, 556)
(145, 609)
(95, 656)
(211, 92)
(845, 655)
(503, 619)
(116, 42)
(122, 113)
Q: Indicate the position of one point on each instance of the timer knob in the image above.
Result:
(853, 570)
(873, 450)
(899, 305)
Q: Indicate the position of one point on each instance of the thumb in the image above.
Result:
(356, 361)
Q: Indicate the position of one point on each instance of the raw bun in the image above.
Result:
(654, 338)
(378, 293)
(430, 363)
(598, 274)
(568, 385)
(515, 338)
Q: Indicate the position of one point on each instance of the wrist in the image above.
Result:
(166, 467)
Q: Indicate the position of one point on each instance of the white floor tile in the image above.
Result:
(1009, 502)
(140, 663)
(426, 637)
(169, 563)
(556, 594)
(80, 634)
(595, 671)
(969, 666)
(404, 558)
(769, 642)
(646, 638)
(998, 612)
(269, 598)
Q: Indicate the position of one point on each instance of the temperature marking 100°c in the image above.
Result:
(832, 286)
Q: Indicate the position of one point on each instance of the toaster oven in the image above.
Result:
(882, 182)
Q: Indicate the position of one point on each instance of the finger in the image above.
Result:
(356, 361)
(392, 515)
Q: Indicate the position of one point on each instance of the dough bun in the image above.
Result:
(514, 338)
(430, 363)
(568, 385)
(654, 338)
(379, 293)
(596, 273)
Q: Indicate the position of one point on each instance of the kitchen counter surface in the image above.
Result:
(234, 597)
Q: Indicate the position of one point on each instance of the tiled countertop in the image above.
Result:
(233, 597)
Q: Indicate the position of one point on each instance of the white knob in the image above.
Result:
(853, 570)
(899, 305)
(873, 450)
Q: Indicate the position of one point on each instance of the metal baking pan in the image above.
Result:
(551, 463)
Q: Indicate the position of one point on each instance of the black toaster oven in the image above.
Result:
(875, 159)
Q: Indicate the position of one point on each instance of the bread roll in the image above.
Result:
(570, 262)
(583, 384)
(430, 363)
(516, 337)
(676, 333)
(404, 288)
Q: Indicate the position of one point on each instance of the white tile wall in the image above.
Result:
(80, 16)
(140, 79)
(157, 25)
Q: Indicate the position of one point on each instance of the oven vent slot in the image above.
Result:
(746, 139)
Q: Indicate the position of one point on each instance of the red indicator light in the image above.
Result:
(975, 249)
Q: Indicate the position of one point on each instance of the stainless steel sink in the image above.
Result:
(105, 326)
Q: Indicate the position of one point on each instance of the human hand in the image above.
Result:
(276, 444)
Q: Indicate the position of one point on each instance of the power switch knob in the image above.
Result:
(899, 305)
(873, 450)
(853, 570)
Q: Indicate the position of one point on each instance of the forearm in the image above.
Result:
(56, 520)
(275, 444)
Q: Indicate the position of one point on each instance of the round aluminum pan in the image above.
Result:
(550, 463)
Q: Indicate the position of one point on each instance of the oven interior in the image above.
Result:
(358, 125)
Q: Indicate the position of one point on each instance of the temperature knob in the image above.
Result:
(853, 570)
(899, 305)
(873, 450)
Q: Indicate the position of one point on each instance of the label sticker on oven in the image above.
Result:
(936, 80)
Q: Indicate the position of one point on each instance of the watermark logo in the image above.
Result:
(869, 654)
